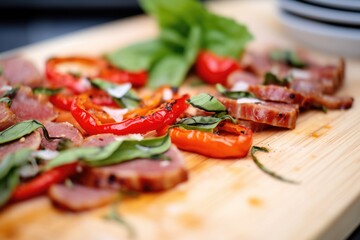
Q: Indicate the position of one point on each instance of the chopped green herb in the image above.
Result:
(113, 215)
(272, 79)
(255, 149)
(287, 57)
(46, 91)
(6, 100)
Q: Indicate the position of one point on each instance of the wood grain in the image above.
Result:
(224, 199)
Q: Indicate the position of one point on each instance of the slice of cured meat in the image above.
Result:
(65, 130)
(254, 126)
(99, 140)
(7, 117)
(325, 78)
(143, 175)
(280, 94)
(19, 71)
(26, 106)
(240, 80)
(275, 114)
(31, 141)
(333, 102)
(80, 198)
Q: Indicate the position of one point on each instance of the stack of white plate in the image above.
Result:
(332, 26)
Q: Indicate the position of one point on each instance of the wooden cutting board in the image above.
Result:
(229, 199)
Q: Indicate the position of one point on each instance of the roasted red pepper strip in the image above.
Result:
(99, 97)
(166, 114)
(215, 69)
(70, 80)
(137, 79)
(43, 182)
(234, 142)
(150, 102)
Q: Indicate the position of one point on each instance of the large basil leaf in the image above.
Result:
(139, 56)
(224, 36)
(116, 152)
(21, 129)
(170, 70)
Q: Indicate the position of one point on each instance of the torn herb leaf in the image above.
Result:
(121, 93)
(113, 215)
(255, 149)
(288, 57)
(233, 94)
(21, 129)
(6, 100)
(46, 91)
(202, 123)
(9, 172)
(207, 103)
(272, 79)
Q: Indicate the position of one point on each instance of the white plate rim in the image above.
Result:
(321, 13)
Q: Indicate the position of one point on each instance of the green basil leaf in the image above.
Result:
(74, 154)
(139, 56)
(255, 149)
(180, 16)
(233, 94)
(1, 70)
(202, 123)
(14, 160)
(272, 79)
(170, 70)
(132, 149)
(46, 91)
(287, 57)
(113, 215)
(192, 45)
(224, 36)
(121, 93)
(207, 103)
(7, 185)
(6, 100)
(115, 152)
(9, 172)
(21, 129)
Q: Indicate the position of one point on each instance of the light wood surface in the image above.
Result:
(229, 199)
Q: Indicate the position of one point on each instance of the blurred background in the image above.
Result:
(24, 22)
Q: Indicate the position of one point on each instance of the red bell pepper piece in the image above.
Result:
(70, 80)
(98, 97)
(164, 115)
(215, 69)
(137, 79)
(43, 182)
(233, 141)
